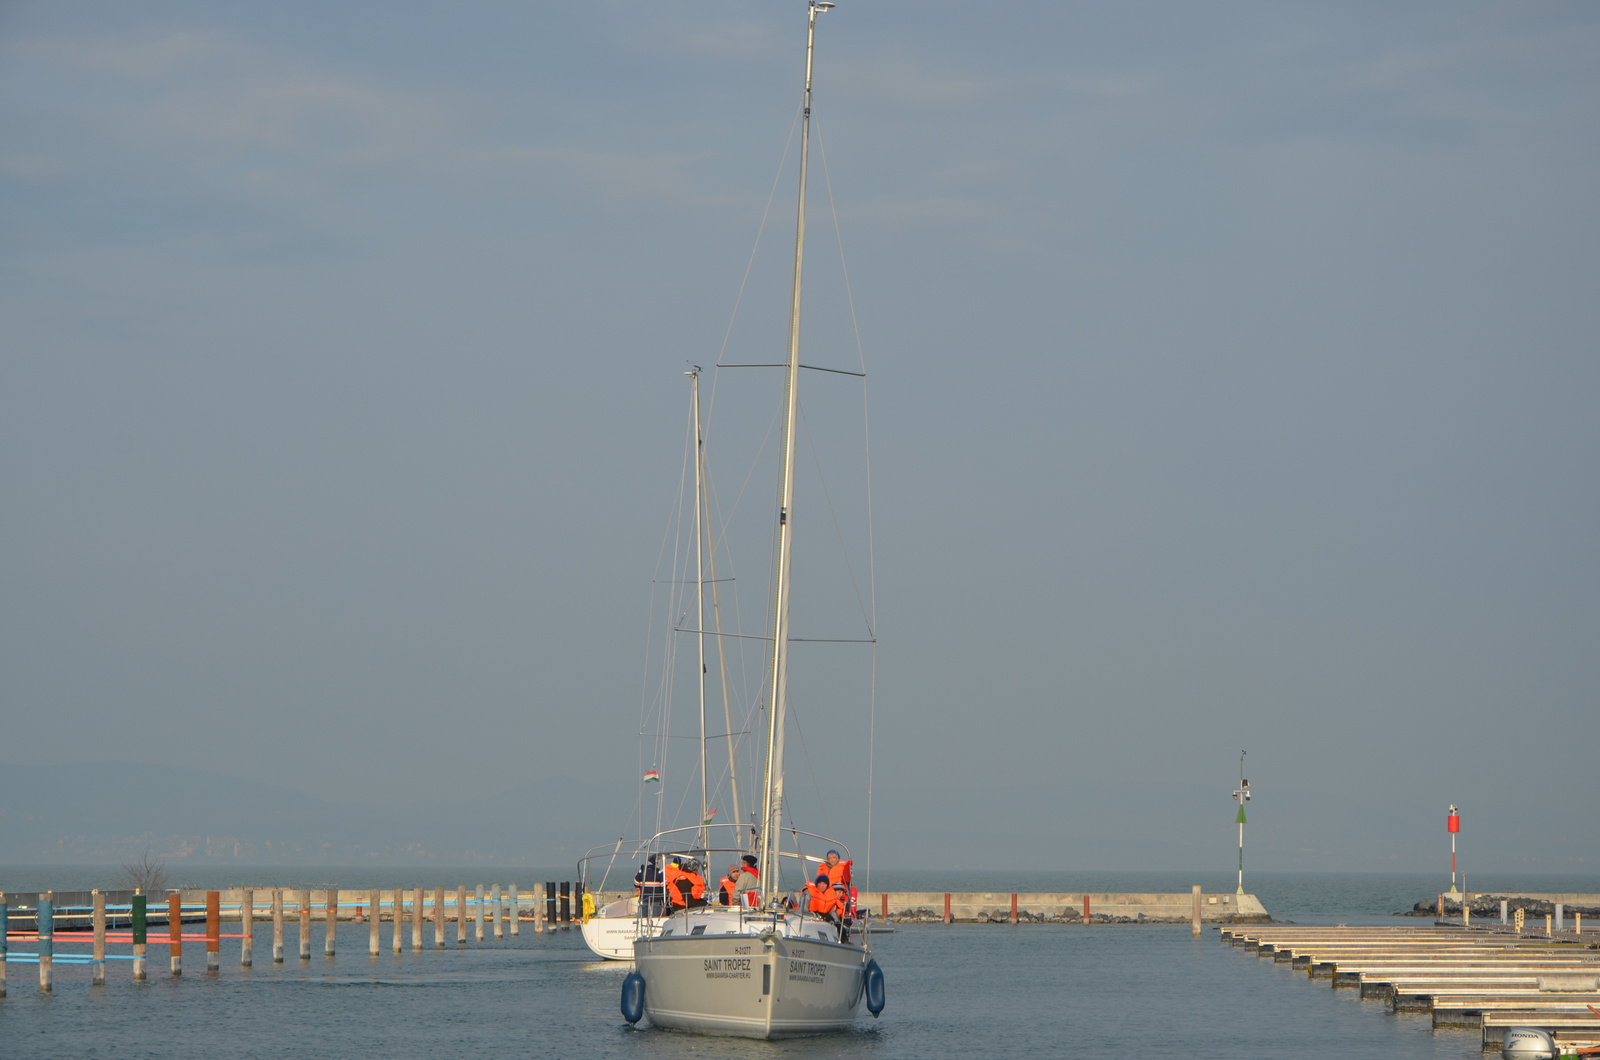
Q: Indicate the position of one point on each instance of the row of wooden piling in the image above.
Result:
(1488, 979)
(506, 909)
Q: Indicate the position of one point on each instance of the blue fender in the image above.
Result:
(633, 997)
(875, 989)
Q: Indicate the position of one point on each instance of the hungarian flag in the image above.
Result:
(710, 815)
(653, 777)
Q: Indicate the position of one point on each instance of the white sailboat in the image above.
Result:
(610, 931)
(767, 971)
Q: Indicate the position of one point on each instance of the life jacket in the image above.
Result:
(730, 884)
(823, 900)
(839, 873)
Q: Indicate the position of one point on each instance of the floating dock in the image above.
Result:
(1491, 978)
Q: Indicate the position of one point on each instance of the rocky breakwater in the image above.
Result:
(1487, 905)
(1062, 908)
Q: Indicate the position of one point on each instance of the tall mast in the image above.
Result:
(722, 652)
(777, 700)
(700, 589)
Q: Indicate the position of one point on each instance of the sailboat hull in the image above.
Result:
(750, 987)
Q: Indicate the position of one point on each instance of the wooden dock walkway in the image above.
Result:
(1461, 976)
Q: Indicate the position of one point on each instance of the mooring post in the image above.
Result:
(416, 919)
(566, 905)
(438, 918)
(1440, 908)
(1013, 908)
(947, 907)
(516, 911)
(213, 932)
(99, 976)
(1085, 910)
(137, 917)
(330, 921)
(461, 915)
(175, 930)
(1503, 904)
(477, 914)
(885, 897)
(549, 905)
(1466, 910)
(494, 898)
(247, 927)
(1561, 919)
(277, 925)
(305, 923)
(373, 945)
(5, 917)
(46, 923)
(1547, 925)
(399, 917)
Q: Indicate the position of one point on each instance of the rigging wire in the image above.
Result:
(866, 441)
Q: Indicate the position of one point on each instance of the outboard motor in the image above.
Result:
(1528, 1043)
(875, 991)
(633, 997)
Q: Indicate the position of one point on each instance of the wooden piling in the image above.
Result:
(330, 922)
(47, 941)
(137, 916)
(305, 924)
(247, 927)
(277, 925)
(399, 916)
(175, 930)
(1194, 928)
(566, 905)
(5, 924)
(416, 920)
(516, 911)
(886, 905)
(1013, 908)
(499, 928)
(99, 976)
(438, 918)
(549, 905)
(478, 914)
(373, 945)
(213, 932)
(947, 907)
(461, 915)
(1086, 910)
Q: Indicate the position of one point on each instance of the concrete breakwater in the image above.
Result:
(1488, 903)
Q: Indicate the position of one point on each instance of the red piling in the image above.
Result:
(175, 930)
(213, 930)
(1013, 909)
(947, 907)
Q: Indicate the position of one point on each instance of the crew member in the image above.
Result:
(825, 900)
(839, 876)
(730, 885)
(685, 886)
(647, 884)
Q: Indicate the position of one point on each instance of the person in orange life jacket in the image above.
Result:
(839, 875)
(824, 899)
(729, 885)
(685, 886)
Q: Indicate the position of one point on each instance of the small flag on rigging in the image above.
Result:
(653, 777)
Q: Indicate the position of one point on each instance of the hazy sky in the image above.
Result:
(1233, 372)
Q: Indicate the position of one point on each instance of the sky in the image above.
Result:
(1230, 385)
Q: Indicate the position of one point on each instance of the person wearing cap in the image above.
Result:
(749, 880)
(825, 900)
(647, 884)
(839, 876)
(729, 885)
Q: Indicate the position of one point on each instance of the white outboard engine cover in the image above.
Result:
(1528, 1043)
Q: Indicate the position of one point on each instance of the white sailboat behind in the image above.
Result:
(768, 971)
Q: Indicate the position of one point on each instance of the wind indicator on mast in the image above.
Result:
(1241, 795)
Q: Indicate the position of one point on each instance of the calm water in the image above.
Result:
(978, 990)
